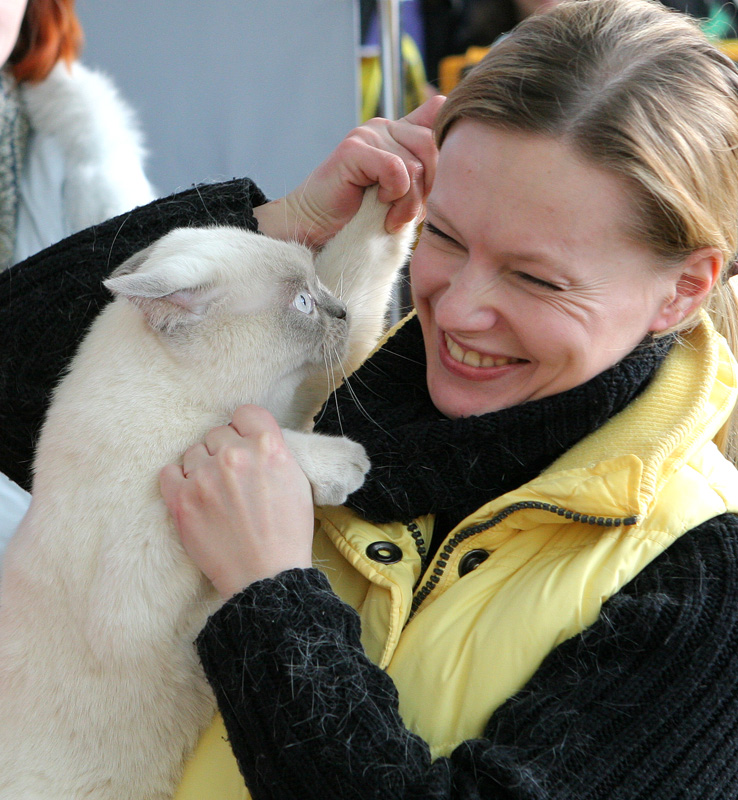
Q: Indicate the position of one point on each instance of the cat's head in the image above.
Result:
(236, 301)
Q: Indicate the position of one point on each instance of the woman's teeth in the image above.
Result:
(474, 359)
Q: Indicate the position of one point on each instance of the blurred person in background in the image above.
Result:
(71, 154)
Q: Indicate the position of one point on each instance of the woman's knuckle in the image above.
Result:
(416, 171)
(395, 165)
(267, 445)
(356, 140)
(376, 124)
(191, 451)
(233, 458)
(206, 490)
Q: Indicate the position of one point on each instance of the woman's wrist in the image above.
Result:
(282, 219)
(233, 581)
(273, 221)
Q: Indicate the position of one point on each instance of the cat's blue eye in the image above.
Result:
(304, 302)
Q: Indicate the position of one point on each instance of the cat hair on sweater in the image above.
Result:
(102, 696)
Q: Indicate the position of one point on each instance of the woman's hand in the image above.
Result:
(241, 503)
(399, 155)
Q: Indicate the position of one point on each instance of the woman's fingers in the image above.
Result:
(397, 154)
(241, 503)
(250, 419)
(405, 165)
(400, 156)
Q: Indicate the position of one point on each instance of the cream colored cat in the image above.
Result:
(101, 692)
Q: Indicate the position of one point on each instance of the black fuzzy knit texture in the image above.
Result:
(643, 705)
(425, 463)
(48, 301)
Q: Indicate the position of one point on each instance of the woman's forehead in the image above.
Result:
(504, 184)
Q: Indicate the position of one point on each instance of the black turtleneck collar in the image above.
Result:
(423, 462)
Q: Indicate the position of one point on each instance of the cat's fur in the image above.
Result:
(101, 693)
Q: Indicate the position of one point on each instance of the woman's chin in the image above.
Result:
(455, 404)
(465, 392)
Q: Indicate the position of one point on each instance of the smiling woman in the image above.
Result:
(527, 279)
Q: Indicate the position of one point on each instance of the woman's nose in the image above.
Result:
(471, 301)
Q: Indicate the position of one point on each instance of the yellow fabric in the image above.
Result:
(730, 48)
(476, 640)
(212, 772)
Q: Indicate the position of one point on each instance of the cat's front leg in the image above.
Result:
(334, 465)
(360, 265)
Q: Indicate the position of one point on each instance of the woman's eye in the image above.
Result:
(304, 302)
(431, 228)
(538, 281)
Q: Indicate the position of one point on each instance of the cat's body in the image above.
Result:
(101, 693)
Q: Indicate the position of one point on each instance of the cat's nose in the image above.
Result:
(336, 309)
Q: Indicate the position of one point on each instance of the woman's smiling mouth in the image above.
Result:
(472, 358)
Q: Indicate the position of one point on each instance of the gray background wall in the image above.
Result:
(226, 88)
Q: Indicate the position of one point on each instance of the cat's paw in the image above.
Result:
(371, 216)
(334, 465)
(372, 212)
(347, 473)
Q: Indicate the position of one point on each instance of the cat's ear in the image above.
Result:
(158, 291)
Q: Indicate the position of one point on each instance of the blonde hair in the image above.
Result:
(637, 89)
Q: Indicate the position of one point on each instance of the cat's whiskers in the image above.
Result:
(347, 289)
(328, 358)
(404, 357)
(359, 405)
(350, 389)
(344, 290)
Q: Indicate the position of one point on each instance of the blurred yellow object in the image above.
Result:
(452, 68)
(415, 89)
(371, 86)
(729, 47)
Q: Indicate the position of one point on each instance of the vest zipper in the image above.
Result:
(445, 553)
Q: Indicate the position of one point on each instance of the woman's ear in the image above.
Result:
(695, 277)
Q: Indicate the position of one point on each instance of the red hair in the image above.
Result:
(50, 32)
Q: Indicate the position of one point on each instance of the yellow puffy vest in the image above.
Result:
(555, 549)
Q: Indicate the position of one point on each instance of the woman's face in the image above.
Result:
(11, 16)
(524, 278)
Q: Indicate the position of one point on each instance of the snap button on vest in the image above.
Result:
(384, 552)
(471, 560)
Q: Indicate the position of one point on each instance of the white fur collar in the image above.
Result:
(100, 140)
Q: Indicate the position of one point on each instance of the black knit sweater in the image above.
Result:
(643, 704)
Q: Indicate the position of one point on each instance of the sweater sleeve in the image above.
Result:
(48, 301)
(643, 704)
